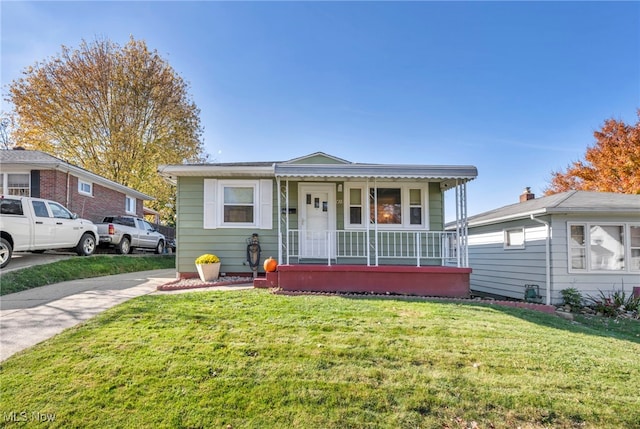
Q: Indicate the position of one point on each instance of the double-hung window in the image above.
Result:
(604, 247)
(238, 203)
(390, 206)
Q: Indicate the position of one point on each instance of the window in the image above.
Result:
(59, 212)
(635, 247)
(386, 206)
(85, 188)
(577, 248)
(355, 206)
(603, 247)
(10, 207)
(130, 205)
(514, 238)
(393, 207)
(238, 204)
(40, 208)
(17, 184)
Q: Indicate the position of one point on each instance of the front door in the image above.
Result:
(317, 220)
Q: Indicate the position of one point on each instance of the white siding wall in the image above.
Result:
(587, 283)
(505, 272)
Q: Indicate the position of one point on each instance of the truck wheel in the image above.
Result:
(124, 247)
(5, 252)
(160, 247)
(87, 245)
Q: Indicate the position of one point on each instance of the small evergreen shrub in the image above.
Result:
(572, 297)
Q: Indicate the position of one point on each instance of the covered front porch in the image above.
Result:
(370, 228)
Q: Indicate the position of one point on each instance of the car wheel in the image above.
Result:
(87, 245)
(160, 247)
(124, 247)
(5, 252)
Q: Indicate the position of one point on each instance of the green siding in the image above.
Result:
(229, 244)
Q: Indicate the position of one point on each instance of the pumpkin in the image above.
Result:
(270, 264)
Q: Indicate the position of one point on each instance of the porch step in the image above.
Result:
(270, 281)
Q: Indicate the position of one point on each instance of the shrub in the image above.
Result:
(572, 297)
(613, 303)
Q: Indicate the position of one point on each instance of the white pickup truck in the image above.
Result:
(36, 225)
(128, 232)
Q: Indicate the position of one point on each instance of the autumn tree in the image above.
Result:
(612, 164)
(116, 111)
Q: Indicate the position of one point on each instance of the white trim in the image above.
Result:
(626, 247)
(128, 198)
(213, 203)
(82, 191)
(405, 210)
(506, 244)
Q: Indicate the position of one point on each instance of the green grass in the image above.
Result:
(80, 268)
(250, 359)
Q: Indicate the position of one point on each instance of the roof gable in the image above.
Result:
(317, 158)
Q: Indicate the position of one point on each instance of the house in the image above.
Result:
(37, 174)
(331, 223)
(584, 240)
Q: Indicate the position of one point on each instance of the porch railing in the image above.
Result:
(371, 246)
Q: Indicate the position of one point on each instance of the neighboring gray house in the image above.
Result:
(319, 210)
(577, 239)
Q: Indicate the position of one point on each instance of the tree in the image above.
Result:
(612, 164)
(116, 111)
(7, 126)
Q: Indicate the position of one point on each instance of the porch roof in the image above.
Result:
(447, 174)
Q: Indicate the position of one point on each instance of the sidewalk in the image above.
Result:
(34, 315)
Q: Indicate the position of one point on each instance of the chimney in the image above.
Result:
(526, 195)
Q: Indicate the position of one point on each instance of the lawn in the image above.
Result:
(251, 359)
(81, 268)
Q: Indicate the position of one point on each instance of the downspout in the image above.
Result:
(547, 257)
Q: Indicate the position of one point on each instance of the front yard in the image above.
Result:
(252, 359)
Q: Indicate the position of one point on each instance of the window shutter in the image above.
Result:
(266, 204)
(209, 204)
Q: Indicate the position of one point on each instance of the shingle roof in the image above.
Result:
(564, 202)
(39, 159)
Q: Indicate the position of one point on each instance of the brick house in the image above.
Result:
(37, 174)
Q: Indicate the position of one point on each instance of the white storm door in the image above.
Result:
(316, 222)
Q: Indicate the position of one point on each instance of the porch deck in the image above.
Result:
(451, 282)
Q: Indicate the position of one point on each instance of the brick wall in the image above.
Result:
(104, 202)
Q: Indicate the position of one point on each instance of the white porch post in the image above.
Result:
(461, 224)
(368, 222)
(286, 227)
(279, 220)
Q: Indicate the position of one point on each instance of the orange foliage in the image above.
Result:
(612, 164)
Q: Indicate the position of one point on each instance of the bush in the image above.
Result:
(572, 297)
(613, 303)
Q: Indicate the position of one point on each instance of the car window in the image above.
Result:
(11, 207)
(59, 211)
(148, 226)
(40, 208)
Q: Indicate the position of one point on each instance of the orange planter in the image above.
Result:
(270, 265)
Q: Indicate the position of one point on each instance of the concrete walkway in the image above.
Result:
(34, 315)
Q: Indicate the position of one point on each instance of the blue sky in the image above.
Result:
(514, 88)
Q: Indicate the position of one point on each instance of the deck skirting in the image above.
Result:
(405, 280)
